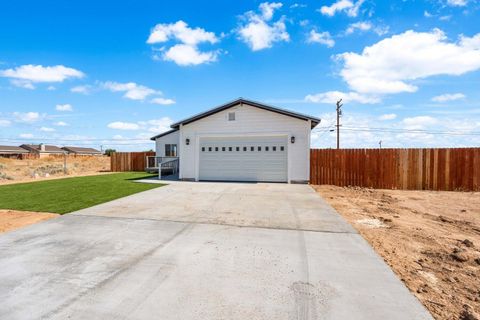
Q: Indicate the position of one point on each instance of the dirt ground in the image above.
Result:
(12, 219)
(13, 170)
(431, 240)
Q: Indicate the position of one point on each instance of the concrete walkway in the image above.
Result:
(200, 251)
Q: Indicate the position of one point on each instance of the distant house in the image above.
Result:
(12, 152)
(82, 151)
(43, 150)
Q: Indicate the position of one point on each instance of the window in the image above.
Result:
(274, 148)
(209, 148)
(223, 148)
(238, 148)
(259, 148)
(216, 148)
(231, 116)
(252, 148)
(282, 148)
(244, 148)
(229, 148)
(266, 148)
(203, 149)
(170, 150)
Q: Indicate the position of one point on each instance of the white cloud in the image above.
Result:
(348, 6)
(4, 123)
(85, 89)
(362, 26)
(388, 116)
(162, 101)
(153, 125)
(186, 55)
(427, 14)
(457, 3)
(258, 32)
(448, 97)
(391, 64)
(47, 129)
(132, 90)
(64, 107)
(24, 76)
(61, 124)
(123, 125)
(27, 117)
(331, 97)
(186, 52)
(419, 122)
(26, 135)
(321, 37)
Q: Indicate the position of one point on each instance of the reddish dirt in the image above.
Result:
(431, 240)
(14, 170)
(12, 219)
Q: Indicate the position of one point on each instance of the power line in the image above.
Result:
(391, 130)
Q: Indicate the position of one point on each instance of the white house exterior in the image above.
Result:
(241, 141)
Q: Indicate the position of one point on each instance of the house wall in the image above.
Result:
(249, 121)
(172, 138)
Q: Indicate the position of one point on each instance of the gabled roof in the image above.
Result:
(315, 121)
(81, 150)
(48, 148)
(163, 134)
(12, 149)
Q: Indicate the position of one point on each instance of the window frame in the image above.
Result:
(171, 150)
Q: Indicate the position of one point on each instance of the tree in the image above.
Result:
(108, 152)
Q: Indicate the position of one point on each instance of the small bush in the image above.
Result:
(4, 176)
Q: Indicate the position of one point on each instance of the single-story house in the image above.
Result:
(43, 150)
(80, 151)
(241, 140)
(12, 151)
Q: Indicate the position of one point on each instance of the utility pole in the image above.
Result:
(339, 113)
(380, 144)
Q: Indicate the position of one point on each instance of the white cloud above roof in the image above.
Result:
(390, 65)
(186, 52)
(331, 97)
(258, 31)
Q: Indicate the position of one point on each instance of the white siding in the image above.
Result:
(249, 121)
(172, 138)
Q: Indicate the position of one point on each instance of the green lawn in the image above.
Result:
(71, 194)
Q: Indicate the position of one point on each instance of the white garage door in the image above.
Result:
(243, 159)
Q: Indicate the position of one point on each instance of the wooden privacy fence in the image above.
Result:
(129, 161)
(409, 169)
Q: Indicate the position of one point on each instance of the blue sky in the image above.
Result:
(114, 73)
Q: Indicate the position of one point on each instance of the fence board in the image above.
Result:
(129, 161)
(410, 169)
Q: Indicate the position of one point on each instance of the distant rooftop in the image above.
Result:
(12, 149)
(48, 148)
(81, 150)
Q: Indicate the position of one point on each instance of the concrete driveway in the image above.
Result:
(200, 251)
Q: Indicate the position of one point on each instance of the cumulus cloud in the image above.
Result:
(331, 97)
(321, 37)
(153, 125)
(390, 65)
(364, 26)
(448, 97)
(388, 116)
(85, 89)
(47, 129)
(351, 8)
(61, 124)
(25, 135)
(257, 29)
(123, 125)
(419, 122)
(26, 75)
(27, 117)
(64, 107)
(162, 101)
(457, 3)
(187, 51)
(4, 123)
(131, 90)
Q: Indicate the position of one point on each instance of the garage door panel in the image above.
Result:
(243, 159)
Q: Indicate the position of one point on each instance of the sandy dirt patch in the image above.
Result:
(14, 170)
(12, 219)
(431, 240)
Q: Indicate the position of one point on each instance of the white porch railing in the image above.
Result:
(162, 163)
